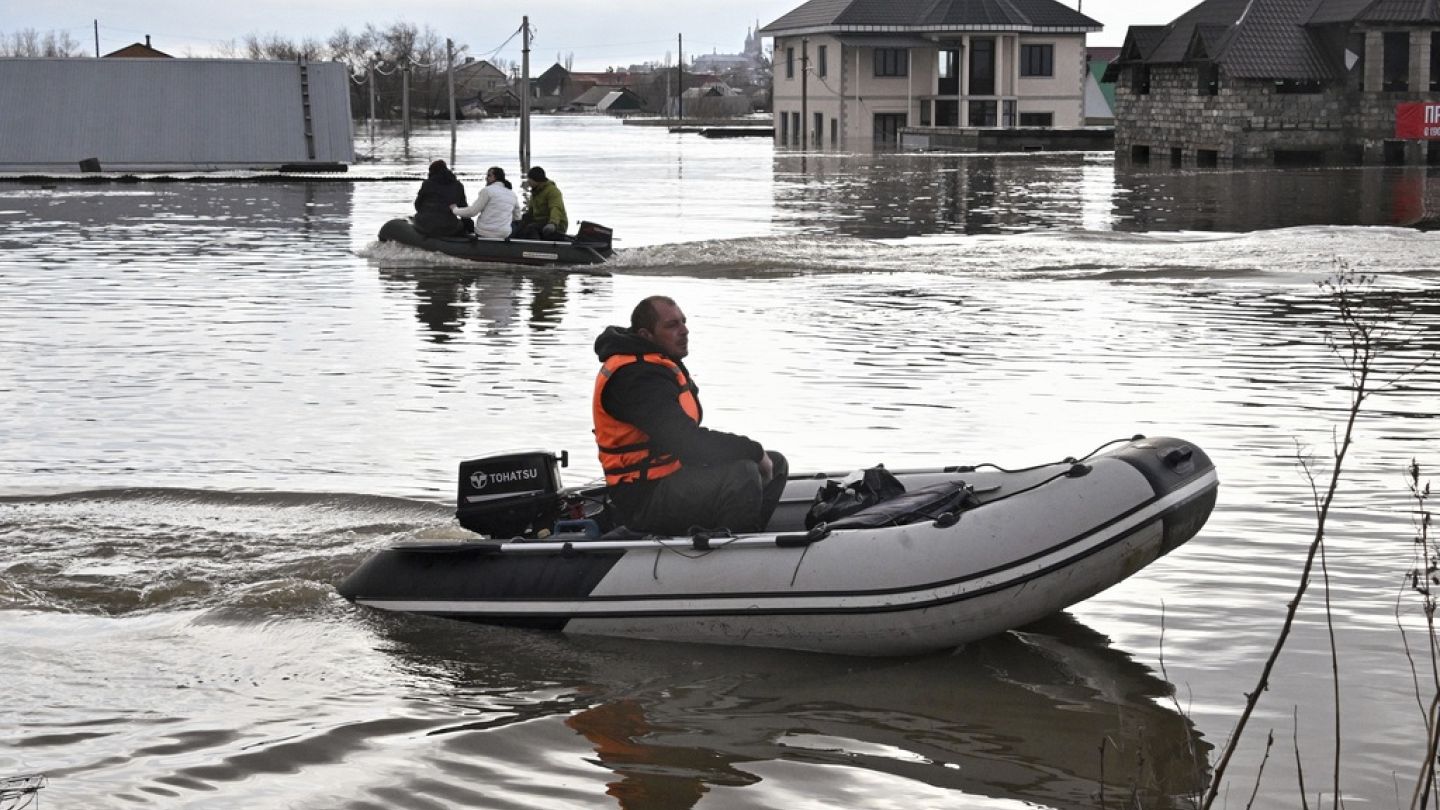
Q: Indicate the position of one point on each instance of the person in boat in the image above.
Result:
(496, 208)
(440, 190)
(664, 472)
(544, 216)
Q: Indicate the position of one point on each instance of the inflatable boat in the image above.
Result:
(590, 245)
(965, 552)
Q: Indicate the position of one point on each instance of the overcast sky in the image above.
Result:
(600, 33)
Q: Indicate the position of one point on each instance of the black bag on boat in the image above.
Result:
(925, 503)
(834, 501)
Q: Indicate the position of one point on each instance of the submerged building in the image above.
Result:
(1281, 81)
(854, 73)
(162, 114)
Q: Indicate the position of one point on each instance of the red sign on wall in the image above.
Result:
(1418, 121)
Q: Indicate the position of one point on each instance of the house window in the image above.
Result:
(1397, 61)
(834, 132)
(1037, 60)
(887, 128)
(982, 67)
(784, 128)
(789, 63)
(947, 72)
(983, 114)
(795, 129)
(1209, 79)
(820, 69)
(1394, 154)
(1207, 158)
(1141, 77)
(817, 136)
(892, 62)
(1037, 119)
(947, 112)
(1434, 67)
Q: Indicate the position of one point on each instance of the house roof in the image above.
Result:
(594, 95)
(479, 66)
(138, 50)
(622, 99)
(1266, 39)
(1402, 11)
(859, 16)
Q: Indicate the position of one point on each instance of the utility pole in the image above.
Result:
(804, 92)
(680, 78)
(371, 71)
(525, 96)
(450, 88)
(405, 96)
(97, 39)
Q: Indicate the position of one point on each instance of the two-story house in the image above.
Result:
(1278, 81)
(852, 73)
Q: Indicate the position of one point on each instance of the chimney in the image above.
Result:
(147, 40)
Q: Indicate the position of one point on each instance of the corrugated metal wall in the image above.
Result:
(139, 114)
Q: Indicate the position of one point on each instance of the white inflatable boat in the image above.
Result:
(965, 553)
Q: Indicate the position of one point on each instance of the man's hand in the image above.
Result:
(767, 468)
(549, 229)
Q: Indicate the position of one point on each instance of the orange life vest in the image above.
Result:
(625, 452)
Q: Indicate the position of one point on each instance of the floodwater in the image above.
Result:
(218, 397)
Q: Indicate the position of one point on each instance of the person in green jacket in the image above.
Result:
(544, 216)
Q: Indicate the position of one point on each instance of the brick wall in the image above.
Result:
(1248, 120)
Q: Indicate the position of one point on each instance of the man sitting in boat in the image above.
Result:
(496, 208)
(665, 473)
(440, 190)
(544, 216)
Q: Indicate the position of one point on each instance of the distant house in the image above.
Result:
(502, 102)
(476, 78)
(136, 50)
(1099, 93)
(164, 114)
(853, 73)
(556, 88)
(1279, 81)
(716, 99)
(607, 99)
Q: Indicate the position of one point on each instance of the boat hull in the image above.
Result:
(1038, 541)
(530, 252)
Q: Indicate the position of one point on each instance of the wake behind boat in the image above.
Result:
(964, 553)
(591, 245)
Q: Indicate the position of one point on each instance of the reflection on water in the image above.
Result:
(890, 195)
(1052, 716)
(446, 298)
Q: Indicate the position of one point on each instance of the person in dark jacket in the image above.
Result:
(440, 190)
(665, 473)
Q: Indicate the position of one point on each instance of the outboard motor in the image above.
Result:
(510, 495)
(595, 235)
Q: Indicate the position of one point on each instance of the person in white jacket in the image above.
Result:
(495, 208)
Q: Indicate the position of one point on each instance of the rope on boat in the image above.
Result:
(700, 540)
(1067, 460)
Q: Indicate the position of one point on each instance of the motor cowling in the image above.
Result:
(510, 495)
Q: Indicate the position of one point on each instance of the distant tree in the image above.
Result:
(28, 42)
(277, 48)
